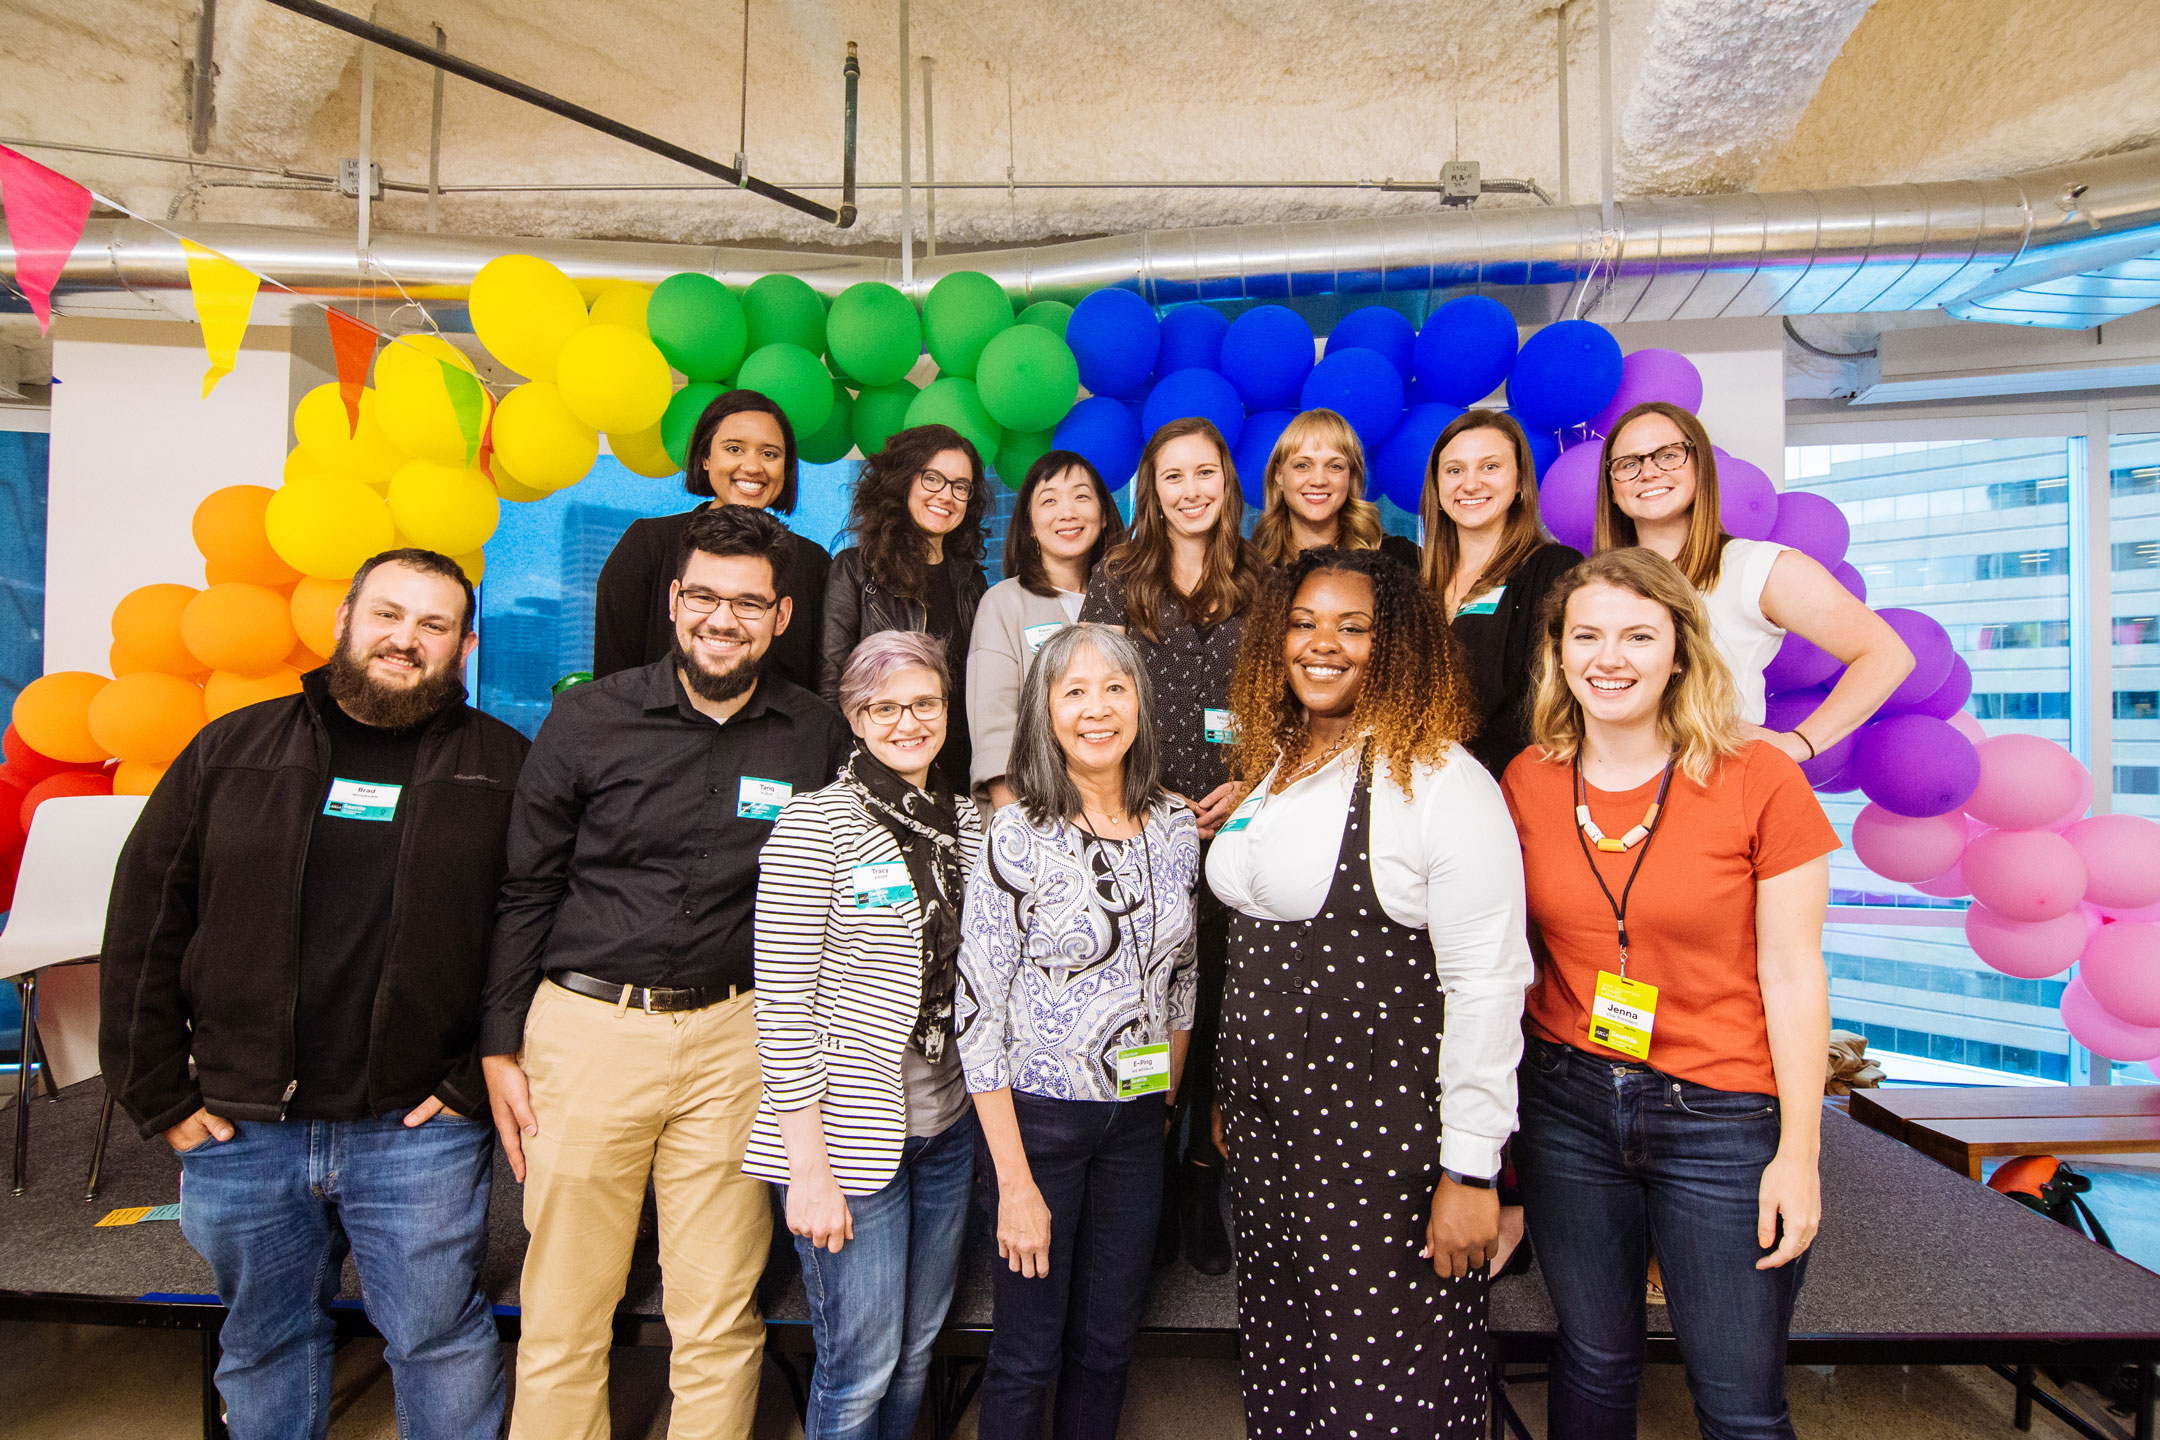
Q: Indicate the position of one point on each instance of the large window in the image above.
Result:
(2134, 536)
(23, 464)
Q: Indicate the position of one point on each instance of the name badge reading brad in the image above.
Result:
(1217, 726)
(1623, 1014)
(1142, 1070)
(1035, 636)
(1484, 604)
(759, 799)
(361, 800)
(879, 887)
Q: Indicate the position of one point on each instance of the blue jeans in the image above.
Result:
(877, 1306)
(1611, 1154)
(275, 1210)
(1098, 1164)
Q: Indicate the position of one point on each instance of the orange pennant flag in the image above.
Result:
(353, 343)
(224, 294)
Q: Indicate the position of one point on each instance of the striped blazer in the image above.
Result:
(837, 988)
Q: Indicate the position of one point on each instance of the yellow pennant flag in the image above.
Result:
(224, 294)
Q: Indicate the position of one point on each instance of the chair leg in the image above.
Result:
(97, 1152)
(26, 1053)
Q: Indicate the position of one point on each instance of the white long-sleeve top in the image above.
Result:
(1444, 860)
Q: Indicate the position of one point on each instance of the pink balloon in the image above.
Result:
(1651, 375)
(2025, 782)
(2146, 914)
(1964, 723)
(2028, 949)
(2090, 1024)
(1950, 885)
(2024, 874)
(1747, 500)
(2122, 860)
(1905, 847)
(2078, 807)
(1568, 495)
(2121, 967)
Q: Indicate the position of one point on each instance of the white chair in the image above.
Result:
(59, 919)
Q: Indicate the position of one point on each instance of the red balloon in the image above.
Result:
(26, 766)
(72, 782)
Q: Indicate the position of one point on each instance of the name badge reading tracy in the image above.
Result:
(1243, 815)
(1484, 604)
(879, 887)
(1142, 1070)
(1035, 636)
(757, 799)
(1623, 1014)
(362, 800)
(1217, 726)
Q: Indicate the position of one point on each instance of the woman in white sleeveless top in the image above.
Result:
(1657, 488)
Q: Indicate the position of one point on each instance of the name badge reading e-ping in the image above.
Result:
(759, 799)
(1142, 1070)
(362, 800)
(1217, 725)
(1036, 636)
(1622, 1014)
(1484, 604)
(881, 886)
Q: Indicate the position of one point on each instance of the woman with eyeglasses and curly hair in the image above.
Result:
(916, 564)
(1376, 902)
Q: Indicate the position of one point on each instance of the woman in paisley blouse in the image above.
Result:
(1075, 1008)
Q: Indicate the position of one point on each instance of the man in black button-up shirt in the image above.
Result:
(618, 1038)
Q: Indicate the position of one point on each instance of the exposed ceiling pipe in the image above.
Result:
(850, 77)
(1956, 244)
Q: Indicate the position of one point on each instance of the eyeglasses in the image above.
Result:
(750, 608)
(932, 482)
(1666, 457)
(924, 708)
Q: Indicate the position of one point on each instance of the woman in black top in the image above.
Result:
(741, 453)
(916, 563)
(1315, 495)
(1490, 566)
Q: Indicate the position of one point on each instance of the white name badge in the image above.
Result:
(360, 800)
(1243, 815)
(1484, 604)
(1142, 1070)
(880, 886)
(1217, 726)
(1036, 635)
(761, 799)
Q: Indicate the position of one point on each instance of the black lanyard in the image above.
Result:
(1619, 907)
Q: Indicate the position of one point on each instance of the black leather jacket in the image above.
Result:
(856, 605)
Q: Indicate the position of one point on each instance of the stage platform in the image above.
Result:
(1914, 1265)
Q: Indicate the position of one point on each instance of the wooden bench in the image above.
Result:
(1963, 1128)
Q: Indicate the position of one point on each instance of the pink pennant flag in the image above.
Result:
(46, 213)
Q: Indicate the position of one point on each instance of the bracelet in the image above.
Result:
(1473, 1182)
(1801, 736)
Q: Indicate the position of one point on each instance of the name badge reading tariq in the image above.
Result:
(1243, 815)
(1036, 635)
(1142, 1070)
(361, 800)
(1623, 1014)
(1217, 726)
(880, 886)
(1484, 604)
(761, 799)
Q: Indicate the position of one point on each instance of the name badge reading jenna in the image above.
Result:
(1484, 604)
(1217, 726)
(1142, 1070)
(761, 799)
(878, 887)
(1243, 815)
(361, 800)
(1036, 635)
(1623, 1014)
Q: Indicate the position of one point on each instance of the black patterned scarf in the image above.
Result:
(927, 829)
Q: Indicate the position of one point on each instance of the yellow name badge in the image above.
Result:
(1622, 1015)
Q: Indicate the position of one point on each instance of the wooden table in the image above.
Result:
(1962, 1128)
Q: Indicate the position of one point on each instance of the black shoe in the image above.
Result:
(1200, 1217)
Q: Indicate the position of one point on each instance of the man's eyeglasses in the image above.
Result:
(748, 608)
(932, 482)
(1666, 457)
(887, 712)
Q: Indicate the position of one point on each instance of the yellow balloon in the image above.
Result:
(510, 487)
(445, 508)
(622, 303)
(413, 398)
(300, 465)
(545, 445)
(642, 453)
(614, 379)
(474, 565)
(523, 309)
(327, 525)
(326, 437)
(314, 605)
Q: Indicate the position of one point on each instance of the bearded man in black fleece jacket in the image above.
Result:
(291, 984)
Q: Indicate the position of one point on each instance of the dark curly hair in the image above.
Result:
(891, 541)
(1414, 699)
(735, 402)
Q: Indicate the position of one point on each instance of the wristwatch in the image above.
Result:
(1472, 1182)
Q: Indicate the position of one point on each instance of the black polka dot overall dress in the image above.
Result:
(1331, 1096)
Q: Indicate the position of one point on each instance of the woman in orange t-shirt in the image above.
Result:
(1672, 1079)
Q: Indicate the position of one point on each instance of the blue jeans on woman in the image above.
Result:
(876, 1306)
(1612, 1154)
(276, 1209)
(1098, 1164)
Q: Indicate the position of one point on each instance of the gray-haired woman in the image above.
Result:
(1075, 1006)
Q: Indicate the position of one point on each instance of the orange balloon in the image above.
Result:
(314, 612)
(225, 692)
(52, 715)
(229, 532)
(137, 777)
(121, 662)
(303, 659)
(146, 624)
(73, 782)
(246, 629)
(147, 716)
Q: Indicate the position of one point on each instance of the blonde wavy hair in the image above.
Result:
(1699, 713)
(1357, 525)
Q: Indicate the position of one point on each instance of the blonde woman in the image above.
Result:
(1315, 495)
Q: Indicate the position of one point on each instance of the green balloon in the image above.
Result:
(874, 334)
(683, 413)
(1050, 314)
(837, 436)
(952, 400)
(1020, 450)
(698, 324)
(962, 314)
(881, 411)
(794, 379)
(1028, 378)
(784, 310)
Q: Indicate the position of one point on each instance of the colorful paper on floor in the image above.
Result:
(135, 1215)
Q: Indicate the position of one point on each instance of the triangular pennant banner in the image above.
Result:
(224, 294)
(46, 212)
(466, 400)
(482, 461)
(353, 342)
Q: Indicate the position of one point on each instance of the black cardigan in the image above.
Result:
(1502, 653)
(630, 619)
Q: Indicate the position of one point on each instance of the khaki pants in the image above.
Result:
(619, 1094)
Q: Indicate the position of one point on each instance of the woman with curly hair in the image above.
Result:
(1314, 495)
(1376, 901)
(916, 564)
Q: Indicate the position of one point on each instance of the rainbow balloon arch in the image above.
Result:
(427, 455)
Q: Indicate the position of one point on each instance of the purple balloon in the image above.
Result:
(1747, 501)
(1568, 497)
(1811, 524)
(1851, 579)
(1916, 765)
(1945, 700)
(1790, 708)
(1798, 665)
(1842, 781)
(1651, 375)
(1932, 654)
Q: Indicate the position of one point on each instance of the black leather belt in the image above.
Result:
(653, 1000)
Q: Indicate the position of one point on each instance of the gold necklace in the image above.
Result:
(1313, 766)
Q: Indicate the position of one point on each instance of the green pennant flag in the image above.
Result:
(466, 400)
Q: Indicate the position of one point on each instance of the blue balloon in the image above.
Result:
(1398, 469)
(1192, 338)
(1136, 393)
(1465, 350)
(1567, 372)
(1103, 430)
(1115, 337)
(1267, 354)
(1363, 388)
(1377, 328)
(1204, 393)
(1251, 454)
(1544, 449)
